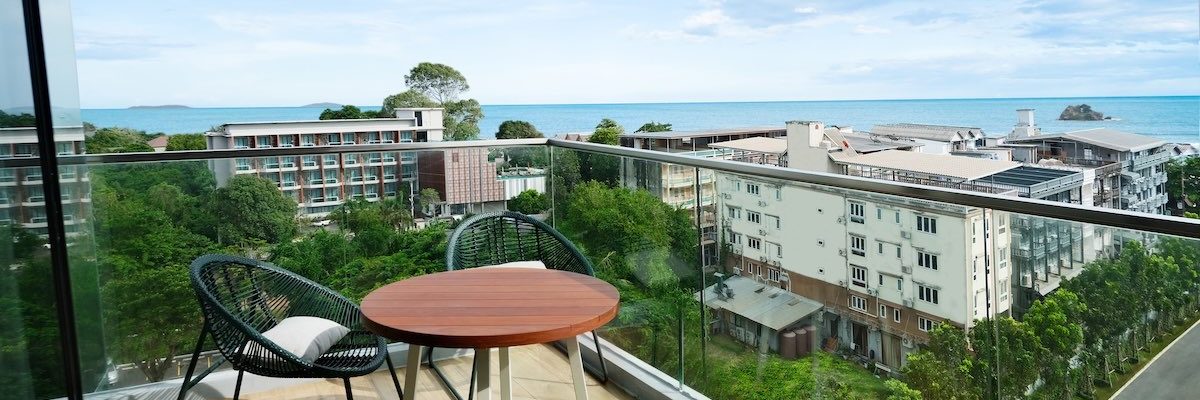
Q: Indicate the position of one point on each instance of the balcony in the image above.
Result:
(632, 237)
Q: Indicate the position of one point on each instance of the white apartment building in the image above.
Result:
(22, 201)
(321, 182)
(886, 269)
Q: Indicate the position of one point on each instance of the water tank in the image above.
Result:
(787, 345)
(803, 342)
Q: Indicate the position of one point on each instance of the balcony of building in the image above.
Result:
(633, 237)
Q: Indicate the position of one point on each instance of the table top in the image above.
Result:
(489, 307)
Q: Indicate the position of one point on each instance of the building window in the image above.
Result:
(879, 214)
(928, 294)
(927, 260)
(734, 212)
(777, 247)
(331, 160)
(900, 284)
(858, 245)
(308, 140)
(883, 311)
(880, 245)
(926, 224)
(924, 324)
(897, 251)
(348, 138)
(858, 303)
(897, 217)
(753, 242)
(753, 216)
(735, 238)
(779, 194)
(774, 221)
(243, 164)
(858, 276)
(241, 143)
(752, 188)
(857, 211)
(309, 161)
(333, 138)
(896, 314)
(880, 280)
(773, 274)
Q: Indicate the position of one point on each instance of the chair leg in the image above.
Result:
(446, 381)
(349, 393)
(392, 370)
(187, 379)
(600, 355)
(237, 390)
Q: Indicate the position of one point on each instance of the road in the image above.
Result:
(1172, 375)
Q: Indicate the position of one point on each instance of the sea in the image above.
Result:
(1172, 118)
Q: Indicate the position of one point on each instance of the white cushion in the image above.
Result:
(306, 337)
(520, 264)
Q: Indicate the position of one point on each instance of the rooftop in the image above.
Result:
(1027, 176)
(967, 168)
(765, 304)
(941, 133)
(706, 133)
(868, 142)
(755, 144)
(1102, 137)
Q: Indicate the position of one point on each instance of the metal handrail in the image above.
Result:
(1151, 223)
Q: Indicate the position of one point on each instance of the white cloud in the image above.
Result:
(804, 10)
(870, 30)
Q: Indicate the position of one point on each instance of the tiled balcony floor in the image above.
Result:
(539, 372)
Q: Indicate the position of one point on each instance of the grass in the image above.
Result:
(1144, 358)
(741, 372)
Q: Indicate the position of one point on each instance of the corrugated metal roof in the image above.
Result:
(762, 303)
(941, 133)
(755, 144)
(1103, 137)
(968, 168)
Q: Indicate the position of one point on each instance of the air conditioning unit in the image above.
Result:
(1025, 280)
(842, 252)
(762, 232)
(762, 258)
(775, 262)
(906, 234)
(906, 341)
(872, 291)
(841, 220)
(906, 269)
(737, 271)
(726, 221)
(908, 302)
(762, 203)
(727, 196)
(842, 283)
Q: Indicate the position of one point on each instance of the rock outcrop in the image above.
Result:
(1082, 112)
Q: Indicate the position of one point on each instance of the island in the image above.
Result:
(165, 106)
(322, 105)
(1082, 112)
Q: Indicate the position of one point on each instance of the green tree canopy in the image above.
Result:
(1007, 357)
(253, 211)
(440, 82)
(17, 120)
(186, 141)
(1183, 184)
(513, 129)
(942, 369)
(348, 112)
(429, 199)
(654, 127)
(117, 140)
(406, 99)
(607, 132)
(461, 119)
(528, 202)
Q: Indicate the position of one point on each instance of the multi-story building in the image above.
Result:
(321, 182)
(886, 269)
(1129, 170)
(465, 178)
(21, 199)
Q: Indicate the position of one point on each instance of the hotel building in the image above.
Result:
(21, 199)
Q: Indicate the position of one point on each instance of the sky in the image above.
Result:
(288, 53)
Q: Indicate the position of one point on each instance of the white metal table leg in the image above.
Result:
(411, 370)
(505, 375)
(483, 377)
(576, 361)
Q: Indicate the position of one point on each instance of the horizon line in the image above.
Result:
(674, 102)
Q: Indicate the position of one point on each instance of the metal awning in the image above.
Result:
(760, 302)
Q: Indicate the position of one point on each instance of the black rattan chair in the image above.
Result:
(241, 298)
(503, 237)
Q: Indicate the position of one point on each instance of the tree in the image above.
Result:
(528, 202)
(254, 211)
(17, 120)
(117, 140)
(429, 199)
(654, 127)
(607, 132)
(406, 99)
(1183, 184)
(513, 129)
(1007, 357)
(348, 112)
(186, 141)
(440, 82)
(942, 369)
(1054, 320)
(462, 119)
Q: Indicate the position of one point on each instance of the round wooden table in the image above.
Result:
(484, 308)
